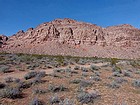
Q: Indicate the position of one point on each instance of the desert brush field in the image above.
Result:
(64, 80)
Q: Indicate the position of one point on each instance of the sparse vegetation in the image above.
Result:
(113, 85)
(86, 98)
(4, 68)
(30, 75)
(56, 88)
(11, 92)
(136, 83)
(53, 80)
(36, 101)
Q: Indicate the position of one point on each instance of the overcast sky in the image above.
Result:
(18, 15)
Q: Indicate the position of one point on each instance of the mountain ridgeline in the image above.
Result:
(70, 37)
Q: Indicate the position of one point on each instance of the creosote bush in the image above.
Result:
(39, 91)
(11, 92)
(76, 67)
(85, 97)
(30, 75)
(4, 68)
(116, 74)
(56, 88)
(120, 80)
(75, 81)
(127, 73)
(95, 78)
(94, 68)
(116, 69)
(114, 85)
(84, 69)
(36, 101)
(136, 83)
(34, 74)
(55, 99)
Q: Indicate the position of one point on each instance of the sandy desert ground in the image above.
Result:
(64, 80)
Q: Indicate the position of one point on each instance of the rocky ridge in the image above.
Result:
(70, 37)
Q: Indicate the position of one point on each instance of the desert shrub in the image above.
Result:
(39, 91)
(55, 99)
(85, 83)
(66, 101)
(113, 61)
(84, 69)
(9, 79)
(37, 80)
(95, 78)
(68, 70)
(137, 72)
(16, 80)
(75, 81)
(120, 80)
(94, 68)
(30, 75)
(48, 66)
(2, 58)
(116, 74)
(116, 69)
(2, 85)
(60, 59)
(85, 97)
(81, 61)
(74, 72)
(33, 66)
(127, 73)
(36, 101)
(58, 70)
(13, 57)
(10, 92)
(26, 58)
(41, 74)
(96, 73)
(136, 83)
(135, 63)
(30, 67)
(65, 63)
(76, 67)
(55, 64)
(85, 74)
(113, 85)
(4, 68)
(56, 88)
(25, 84)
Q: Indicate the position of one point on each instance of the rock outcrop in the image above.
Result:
(3, 40)
(69, 37)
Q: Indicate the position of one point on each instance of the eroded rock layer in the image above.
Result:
(69, 37)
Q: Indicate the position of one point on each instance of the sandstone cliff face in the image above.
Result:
(63, 31)
(63, 36)
(123, 35)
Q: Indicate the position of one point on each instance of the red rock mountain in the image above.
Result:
(70, 37)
